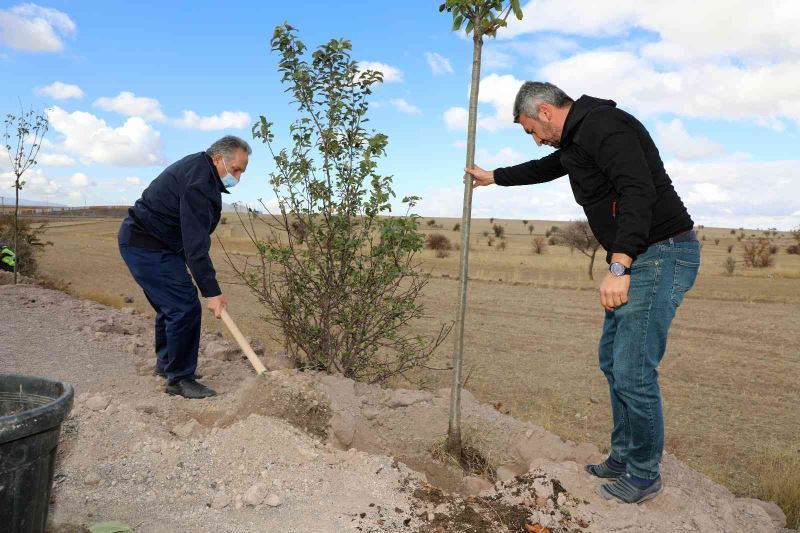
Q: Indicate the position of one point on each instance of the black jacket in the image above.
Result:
(178, 211)
(616, 175)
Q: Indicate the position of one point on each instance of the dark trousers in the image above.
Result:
(166, 283)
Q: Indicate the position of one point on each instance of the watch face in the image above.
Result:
(617, 269)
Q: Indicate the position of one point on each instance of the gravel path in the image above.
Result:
(129, 452)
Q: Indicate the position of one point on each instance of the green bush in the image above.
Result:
(29, 243)
(345, 299)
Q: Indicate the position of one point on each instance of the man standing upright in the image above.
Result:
(169, 229)
(617, 176)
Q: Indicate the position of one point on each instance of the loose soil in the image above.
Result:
(294, 451)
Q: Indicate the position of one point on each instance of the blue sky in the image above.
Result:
(131, 88)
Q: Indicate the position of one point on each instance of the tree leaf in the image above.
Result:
(113, 526)
(516, 9)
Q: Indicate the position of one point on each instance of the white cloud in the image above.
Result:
(224, 120)
(737, 191)
(674, 139)
(404, 107)
(747, 29)
(55, 160)
(35, 183)
(134, 143)
(79, 179)
(499, 92)
(128, 104)
(34, 28)
(731, 192)
(765, 94)
(133, 180)
(390, 74)
(60, 91)
(493, 59)
(552, 201)
(438, 63)
(504, 157)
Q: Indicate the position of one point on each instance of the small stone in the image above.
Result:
(543, 487)
(442, 508)
(97, 403)
(561, 500)
(255, 494)
(220, 501)
(130, 311)
(273, 500)
(594, 399)
(187, 430)
(431, 517)
(91, 479)
(408, 397)
(237, 502)
(474, 485)
(370, 413)
(222, 350)
(128, 299)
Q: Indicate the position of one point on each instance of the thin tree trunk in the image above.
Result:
(591, 265)
(16, 229)
(454, 427)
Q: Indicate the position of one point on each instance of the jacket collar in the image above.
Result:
(215, 174)
(577, 112)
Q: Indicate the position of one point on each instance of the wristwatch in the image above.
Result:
(618, 269)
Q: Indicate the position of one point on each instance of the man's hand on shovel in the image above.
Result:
(217, 304)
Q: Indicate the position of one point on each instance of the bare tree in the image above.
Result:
(578, 236)
(479, 18)
(27, 131)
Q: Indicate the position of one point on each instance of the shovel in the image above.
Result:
(243, 344)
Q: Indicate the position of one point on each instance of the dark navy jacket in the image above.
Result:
(616, 174)
(178, 211)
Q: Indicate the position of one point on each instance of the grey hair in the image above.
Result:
(533, 93)
(227, 146)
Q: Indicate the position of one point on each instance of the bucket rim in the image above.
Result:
(39, 418)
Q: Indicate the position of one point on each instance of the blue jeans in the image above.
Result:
(168, 287)
(631, 347)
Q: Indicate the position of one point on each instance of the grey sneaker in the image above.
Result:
(623, 490)
(604, 470)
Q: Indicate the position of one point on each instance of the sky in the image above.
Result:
(132, 87)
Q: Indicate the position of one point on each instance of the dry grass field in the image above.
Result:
(729, 378)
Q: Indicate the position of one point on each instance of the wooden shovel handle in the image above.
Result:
(243, 344)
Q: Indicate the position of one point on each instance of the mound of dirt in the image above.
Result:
(304, 451)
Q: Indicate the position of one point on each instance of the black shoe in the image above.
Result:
(189, 388)
(160, 373)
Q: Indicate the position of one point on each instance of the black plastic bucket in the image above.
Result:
(31, 412)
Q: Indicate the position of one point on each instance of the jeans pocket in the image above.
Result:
(685, 276)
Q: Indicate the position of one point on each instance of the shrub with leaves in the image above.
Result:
(457, 227)
(729, 265)
(539, 245)
(29, 243)
(758, 253)
(440, 244)
(342, 301)
(794, 248)
(499, 231)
